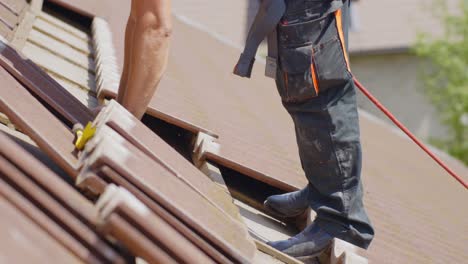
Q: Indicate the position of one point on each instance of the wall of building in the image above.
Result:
(396, 80)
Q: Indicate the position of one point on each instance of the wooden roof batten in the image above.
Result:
(28, 15)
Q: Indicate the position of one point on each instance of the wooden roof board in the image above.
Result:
(22, 241)
(45, 223)
(399, 180)
(43, 86)
(161, 233)
(136, 241)
(29, 147)
(28, 114)
(109, 174)
(58, 212)
(48, 180)
(130, 128)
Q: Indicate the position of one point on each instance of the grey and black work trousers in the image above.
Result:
(317, 90)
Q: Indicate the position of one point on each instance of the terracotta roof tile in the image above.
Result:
(256, 133)
(414, 205)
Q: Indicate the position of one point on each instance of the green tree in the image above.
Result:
(447, 78)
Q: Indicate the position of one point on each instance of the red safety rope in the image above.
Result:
(407, 132)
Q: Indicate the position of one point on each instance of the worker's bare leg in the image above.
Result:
(128, 52)
(147, 52)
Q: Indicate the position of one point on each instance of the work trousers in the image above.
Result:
(321, 100)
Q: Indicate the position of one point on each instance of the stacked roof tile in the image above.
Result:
(199, 95)
(199, 222)
(191, 219)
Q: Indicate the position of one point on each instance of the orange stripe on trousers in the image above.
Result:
(339, 27)
(314, 76)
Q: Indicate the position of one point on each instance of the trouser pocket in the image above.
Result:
(312, 58)
(297, 80)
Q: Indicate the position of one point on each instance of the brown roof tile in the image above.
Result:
(43, 127)
(49, 133)
(256, 137)
(401, 182)
(23, 241)
(414, 205)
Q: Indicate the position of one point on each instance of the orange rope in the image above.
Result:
(409, 134)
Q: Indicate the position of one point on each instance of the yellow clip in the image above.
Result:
(84, 135)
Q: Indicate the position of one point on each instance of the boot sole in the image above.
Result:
(281, 215)
(309, 260)
(314, 258)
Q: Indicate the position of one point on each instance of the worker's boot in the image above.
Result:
(290, 204)
(310, 243)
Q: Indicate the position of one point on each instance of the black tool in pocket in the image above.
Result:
(298, 77)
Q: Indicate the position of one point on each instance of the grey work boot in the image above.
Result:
(289, 204)
(308, 244)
